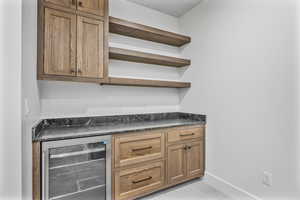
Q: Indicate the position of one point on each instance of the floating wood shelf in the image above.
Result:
(140, 31)
(146, 83)
(148, 58)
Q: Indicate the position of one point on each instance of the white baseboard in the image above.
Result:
(228, 188)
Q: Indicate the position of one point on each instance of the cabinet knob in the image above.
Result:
(80, 3)
(187, 147)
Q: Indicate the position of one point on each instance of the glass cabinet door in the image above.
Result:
(76, 172)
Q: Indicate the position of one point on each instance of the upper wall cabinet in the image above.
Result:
(64, 3)
(96, 7)
(73, 43)
(90, 47)
(92, 6)
(60, 43)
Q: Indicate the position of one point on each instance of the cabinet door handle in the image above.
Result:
(143, 148)
(185, 147)
(80, 3)
(184, 135)
(142, 180)
(189, 147)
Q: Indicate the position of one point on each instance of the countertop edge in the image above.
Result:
(113, 132)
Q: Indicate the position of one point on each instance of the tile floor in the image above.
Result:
(194, 190)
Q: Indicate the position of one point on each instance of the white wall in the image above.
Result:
(80, 99)
(30, 91)
(244, 77)
(10, 99)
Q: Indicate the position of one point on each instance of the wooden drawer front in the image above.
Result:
(135, 182)
(185, 134)
(138, 148)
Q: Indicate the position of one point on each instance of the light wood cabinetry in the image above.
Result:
(136, 148)
(60, 43)
(73, 40)
(181, 135)
(185, 161)
(177, 165)
(186, 154)
(95, 7)
(137, 181)
(195, 158)
(148, 161)
(64, 3)
(90, 47)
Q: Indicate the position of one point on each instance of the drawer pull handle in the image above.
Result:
(184, 135)
(143, 148)
(142, 180)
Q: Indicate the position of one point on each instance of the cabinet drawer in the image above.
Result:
(132, 149)
(134, 182)
(185, 134)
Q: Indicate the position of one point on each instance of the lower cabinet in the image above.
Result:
(195, 158)
(185, 161)
(176, 155)
(137, 181)
(177, 165)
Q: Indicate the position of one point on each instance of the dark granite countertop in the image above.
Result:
(68, 128)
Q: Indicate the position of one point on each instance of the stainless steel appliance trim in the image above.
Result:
(74, 164)
(62, 143)
(77, 153)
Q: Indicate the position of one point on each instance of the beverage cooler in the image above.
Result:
(77, 169)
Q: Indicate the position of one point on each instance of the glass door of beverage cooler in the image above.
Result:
(77, 169)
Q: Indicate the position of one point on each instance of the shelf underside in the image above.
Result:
(146, 83)
(131, 29)
(148, 58)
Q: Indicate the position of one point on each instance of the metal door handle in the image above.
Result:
(143, 148)
(142, 180)
(184, 135)
(77, 153)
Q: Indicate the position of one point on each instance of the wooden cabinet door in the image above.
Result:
(59, 43)
(95, 7)
(64, 3)
(195, 158)
(90, 48)
(176, 163)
